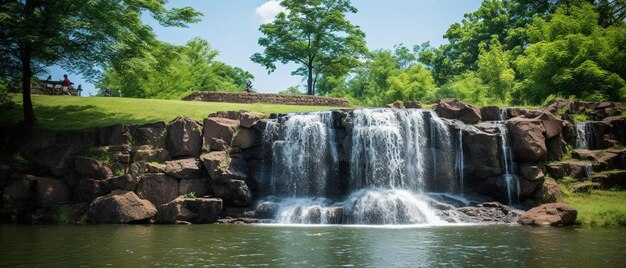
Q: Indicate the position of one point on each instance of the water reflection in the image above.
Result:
(331, 246)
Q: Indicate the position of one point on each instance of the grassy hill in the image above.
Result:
(67, 112)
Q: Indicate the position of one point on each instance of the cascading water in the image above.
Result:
(584, 135)
(394, 158)
(511, 181)
(303, 153)
(504, 115)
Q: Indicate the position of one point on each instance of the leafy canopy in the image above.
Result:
(314, 34)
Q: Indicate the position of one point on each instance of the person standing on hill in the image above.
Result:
(66, 84)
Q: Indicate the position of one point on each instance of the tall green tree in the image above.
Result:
(495, 70)
(314, 34)
(80, 36)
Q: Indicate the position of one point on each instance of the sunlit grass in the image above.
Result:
(599, 208)
(67, 112)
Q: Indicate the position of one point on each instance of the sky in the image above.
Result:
(231, 26)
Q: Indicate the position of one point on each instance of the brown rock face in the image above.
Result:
(552, 125)
(556, 148)
(556, 171)
(52, 192)
(552, 192)
(89, 189)
(613, 179)
(218, 129)
(194, 210)
(222, 168)
(92, 169)
(455, 109)
(125, 182)
(149, 153)
(121, 207)
(531, 172)
(395, 105)
(158, 188)
(54, 159)
(247, 138)
(200, 187)
(114, 135)
(490, 113)
(188, 168)
(150, 134)
(529, 144)
(248, 119)
(412, 105)
(552, 214)
(482, 156)
(234, 192)
(185, 137)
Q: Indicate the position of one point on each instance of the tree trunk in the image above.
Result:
(29, 115)
(309, 81)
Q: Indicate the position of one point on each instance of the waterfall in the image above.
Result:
(460, 159)
(303, 153)
(394, 159)
(504, 115)
(584, 135)
(511, 181)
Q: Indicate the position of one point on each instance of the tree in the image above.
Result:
(495, 70)
(77, 35)
(416, 83)
(314, 34)
(166, 71)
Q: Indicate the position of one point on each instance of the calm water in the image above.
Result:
(262, 245)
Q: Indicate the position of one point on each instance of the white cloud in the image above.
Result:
(268, 11)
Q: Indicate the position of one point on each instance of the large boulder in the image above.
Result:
(247, 138)
(150, 134)
(234, 192)
(54, 159)
(193, 210)
(617, 127)
(121, 207)
(456, 109)
(556, 147)
(219, 131)
(614, 179)
(552, 214)
(248, 119)
(266, 210)
(481, 154)
(553, 126)
(530, 171)
(114, 135)
(184, 138)
(490, 212)
(222, 168)
(126, 182)
(491, 113)
(551, 192)
(158, 188)
(528, 141)
(52, 192)
(188, 168)
(88, 189)
(90, 168)
(149, 153)
(199, 187)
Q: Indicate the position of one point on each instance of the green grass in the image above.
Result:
(67, 112)
(599, 208)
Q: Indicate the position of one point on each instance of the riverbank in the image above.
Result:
(230, 164)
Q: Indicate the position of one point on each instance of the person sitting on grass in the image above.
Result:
(118, 93)
(107, 92)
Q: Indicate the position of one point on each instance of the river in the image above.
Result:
(309, 246)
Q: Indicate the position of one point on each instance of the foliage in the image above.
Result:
(599, 208)
(293, 90)
(415, 83)
(81, 36)
(527, 50)
(495, 70)
(5, 99)
(100, 155)
(572, 55)
(166, 71)
(60, 218)
(467, 87)
(190, 195)
(66, 113)
(316, 35)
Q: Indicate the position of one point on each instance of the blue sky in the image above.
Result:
(231, 26)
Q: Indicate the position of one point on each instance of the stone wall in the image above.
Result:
(242, 97)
